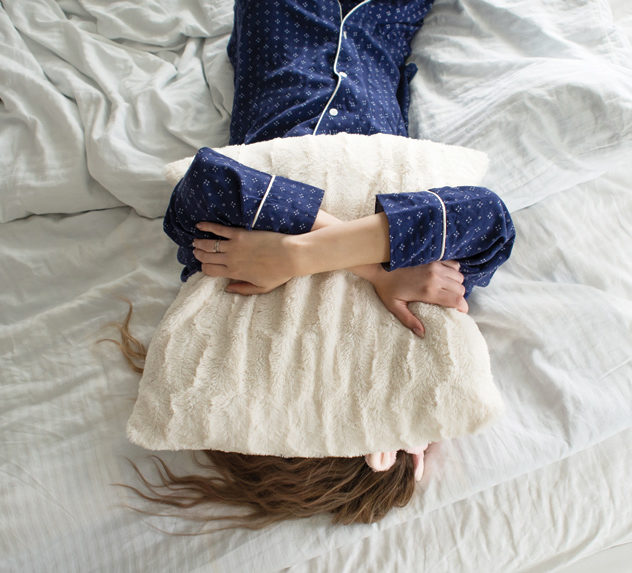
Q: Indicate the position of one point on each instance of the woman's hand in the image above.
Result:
(439, 283)
(259, 261)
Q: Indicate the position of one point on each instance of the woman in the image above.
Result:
(322, 67)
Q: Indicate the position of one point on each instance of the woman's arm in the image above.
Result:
(470, 225)
(261, 261)
(267, 259)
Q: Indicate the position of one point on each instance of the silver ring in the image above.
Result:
(216, 248)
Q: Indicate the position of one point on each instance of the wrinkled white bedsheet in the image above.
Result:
(99, 95)
(542, 87)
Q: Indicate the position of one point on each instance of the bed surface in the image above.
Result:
(546, 91)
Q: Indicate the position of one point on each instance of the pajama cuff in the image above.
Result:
(417, 227)
(245, 197)
(287, 206)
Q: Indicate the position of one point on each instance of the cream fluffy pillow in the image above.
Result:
(318, 367)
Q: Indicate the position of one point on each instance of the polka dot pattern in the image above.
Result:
(297, 61)
(323, 67)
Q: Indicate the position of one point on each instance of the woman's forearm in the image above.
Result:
(335, 244)
(368, 271)
(324, 219)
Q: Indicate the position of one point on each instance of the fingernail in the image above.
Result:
(419, 332)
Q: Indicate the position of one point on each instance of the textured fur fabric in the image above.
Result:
(318, 367)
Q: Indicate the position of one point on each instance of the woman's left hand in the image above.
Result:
(439, 282)
(259, 261)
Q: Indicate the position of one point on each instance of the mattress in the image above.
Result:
(97, 97)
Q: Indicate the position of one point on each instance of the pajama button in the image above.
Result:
(333, 111)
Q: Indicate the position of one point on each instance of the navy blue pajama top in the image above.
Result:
(323, 67)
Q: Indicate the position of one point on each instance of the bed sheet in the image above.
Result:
(537, 523)
(86, 150)
(622, 16)
(557, 320)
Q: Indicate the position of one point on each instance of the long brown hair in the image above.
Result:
(274, 488)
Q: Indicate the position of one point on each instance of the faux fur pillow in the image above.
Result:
(318, 367)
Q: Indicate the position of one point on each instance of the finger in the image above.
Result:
(454, 286)
(450, 280)
(452, 264)
(451, 299)
(245, 288)
(399, 309)
(452, 274)
(215, 270)
(217, 229)
(209, 245)
(210, 258)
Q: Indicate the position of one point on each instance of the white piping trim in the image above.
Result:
(445, 223)
(340, 31)
(263, 200)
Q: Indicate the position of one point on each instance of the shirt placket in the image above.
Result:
(331, 110)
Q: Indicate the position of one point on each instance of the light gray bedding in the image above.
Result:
(98, 96)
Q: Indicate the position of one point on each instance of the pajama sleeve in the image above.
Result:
(467, 224)
(221, 190)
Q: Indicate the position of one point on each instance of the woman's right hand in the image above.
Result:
(256, 261)
(439, 283)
